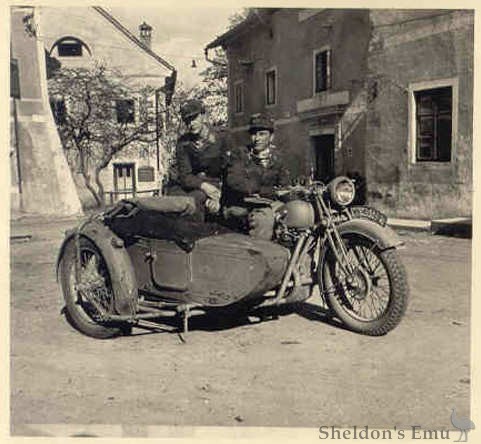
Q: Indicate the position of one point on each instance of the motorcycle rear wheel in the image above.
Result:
(373, 299)
(81, 313)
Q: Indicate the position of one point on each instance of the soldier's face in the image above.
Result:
(198, 125)
(262, 138)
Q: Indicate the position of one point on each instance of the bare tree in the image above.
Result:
(98, 116)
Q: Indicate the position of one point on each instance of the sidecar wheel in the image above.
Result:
(81, 314)
(372, 300)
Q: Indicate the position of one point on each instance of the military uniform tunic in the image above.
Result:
(197, 164)
(246, 176)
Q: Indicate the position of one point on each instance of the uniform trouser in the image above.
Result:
(199, 196)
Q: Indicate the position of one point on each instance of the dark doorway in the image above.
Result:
(323, 157)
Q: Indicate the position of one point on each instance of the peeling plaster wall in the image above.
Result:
(440, 46)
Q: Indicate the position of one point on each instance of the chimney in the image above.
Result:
(145, 31)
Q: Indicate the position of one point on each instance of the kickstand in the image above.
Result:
(184, 313)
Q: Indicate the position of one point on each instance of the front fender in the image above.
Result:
(383, 237)
(119, 264)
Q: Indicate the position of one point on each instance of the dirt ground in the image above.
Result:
(298, 371)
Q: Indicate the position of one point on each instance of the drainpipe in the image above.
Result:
(17, 148)
(157, 130)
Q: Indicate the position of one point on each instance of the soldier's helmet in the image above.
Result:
(191, 109)
(260, 122)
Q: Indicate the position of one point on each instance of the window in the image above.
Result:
(125, 109)
(434, 124)
(58, 110)
(238, 97)
(322, 70)
(271, 87)
(70, 48)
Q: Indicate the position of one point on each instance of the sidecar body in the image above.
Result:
(154, 251)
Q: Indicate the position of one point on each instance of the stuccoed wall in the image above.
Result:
(47, 185)
(440, 47)
(289, 48)
(107, 44)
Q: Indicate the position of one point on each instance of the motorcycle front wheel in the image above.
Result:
(87, 300)
(372, 295)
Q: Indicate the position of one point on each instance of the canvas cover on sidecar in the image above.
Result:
(166, 217)
(185, 260)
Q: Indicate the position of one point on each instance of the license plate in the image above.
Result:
(369, 213)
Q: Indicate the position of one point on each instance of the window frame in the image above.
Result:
(73, 39)
(272, 69)
(412, 112)
(239, 84)
(74, 44)
(315, 53)
(133, 114)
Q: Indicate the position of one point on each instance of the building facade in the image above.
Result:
(41, 182)
(293, 64)
(381, 94)
(419, 127)
(85, 36)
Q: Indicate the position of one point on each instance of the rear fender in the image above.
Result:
(119, 264)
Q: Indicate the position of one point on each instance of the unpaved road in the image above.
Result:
(296, 371)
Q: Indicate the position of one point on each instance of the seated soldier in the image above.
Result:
(199, 157)
(254, 170)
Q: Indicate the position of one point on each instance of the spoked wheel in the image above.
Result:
(372, 295)
(87, 301)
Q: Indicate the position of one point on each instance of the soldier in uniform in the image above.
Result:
(254, 170)
(200, 155)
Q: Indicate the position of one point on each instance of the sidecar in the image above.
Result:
(146, 257)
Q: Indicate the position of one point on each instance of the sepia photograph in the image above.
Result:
(240, 219)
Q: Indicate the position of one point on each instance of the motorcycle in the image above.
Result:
(146, 259)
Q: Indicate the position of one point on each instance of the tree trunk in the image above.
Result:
(92, 190)
(86, 177)
(100, 186)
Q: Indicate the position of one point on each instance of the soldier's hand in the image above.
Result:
(213, 206)
(210, 190)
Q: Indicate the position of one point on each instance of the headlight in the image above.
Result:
(341, 190)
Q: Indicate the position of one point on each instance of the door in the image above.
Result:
(124, 180)
(323, 145)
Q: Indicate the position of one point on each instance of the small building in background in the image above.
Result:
(382, 95)
(84, 36)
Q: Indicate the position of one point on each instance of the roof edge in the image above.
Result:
(250, 21)
(110, 18)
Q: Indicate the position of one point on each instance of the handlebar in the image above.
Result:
(286, 193)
